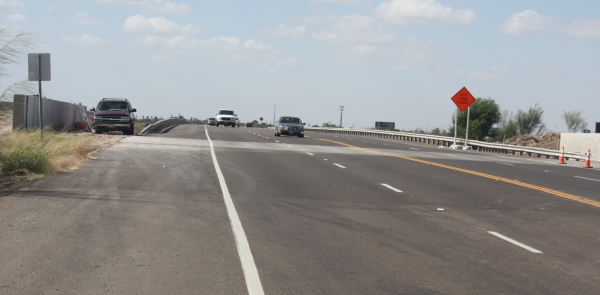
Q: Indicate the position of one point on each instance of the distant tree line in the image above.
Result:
(487, 122)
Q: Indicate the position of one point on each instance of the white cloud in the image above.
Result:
(85, 40)
(16, 18)
(84, 19)
(589, 28)
(526, 22)
(178, 42)
(283, 30)
(226, 48)
(354, 29)
(256, 46)
(156, 25)
(421, 12)
(400, 55)
(154, 6)
(11, 4)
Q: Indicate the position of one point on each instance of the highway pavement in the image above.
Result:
(217, 210)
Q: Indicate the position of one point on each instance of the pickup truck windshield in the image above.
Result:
(105, 106)
(226, 113)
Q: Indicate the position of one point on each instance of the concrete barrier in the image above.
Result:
(581, 142)
(56, 114)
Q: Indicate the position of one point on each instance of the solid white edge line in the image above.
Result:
(586, 178)
(248, 266)
(339, 165)
(515, 242)
(391, 187)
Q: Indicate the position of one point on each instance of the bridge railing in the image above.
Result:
(163, 125)
(449, 142)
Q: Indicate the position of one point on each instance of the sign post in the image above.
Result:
(463, 100)
(39, 70)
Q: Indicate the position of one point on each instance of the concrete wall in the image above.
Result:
(56, 114)
(581, 142)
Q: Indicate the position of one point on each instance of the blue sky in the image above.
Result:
(396, 60)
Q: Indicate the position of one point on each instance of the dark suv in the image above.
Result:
(113, 114)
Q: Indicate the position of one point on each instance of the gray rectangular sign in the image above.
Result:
(33, 66)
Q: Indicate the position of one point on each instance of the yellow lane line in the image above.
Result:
(497, 178)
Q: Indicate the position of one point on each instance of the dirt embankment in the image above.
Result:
(548, 141)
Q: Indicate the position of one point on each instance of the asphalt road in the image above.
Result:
(207, 210)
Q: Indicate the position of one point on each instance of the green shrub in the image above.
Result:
(26, 159)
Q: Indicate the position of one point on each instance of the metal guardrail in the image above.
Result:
(162, 125)
(446, 141)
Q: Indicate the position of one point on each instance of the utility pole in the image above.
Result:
(341, 115)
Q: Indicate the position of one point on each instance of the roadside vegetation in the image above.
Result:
(488, 123)
(574, 121)
(12, 52)
(23, 156)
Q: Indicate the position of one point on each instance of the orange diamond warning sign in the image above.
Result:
(463, 99)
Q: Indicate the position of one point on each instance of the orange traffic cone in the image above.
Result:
(561, 160)
(587, 160)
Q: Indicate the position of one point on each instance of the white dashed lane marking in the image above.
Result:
(391, 187)
(586, 178)
(515, 242)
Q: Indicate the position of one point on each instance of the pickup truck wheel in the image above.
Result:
(129, 131)
(96, 131)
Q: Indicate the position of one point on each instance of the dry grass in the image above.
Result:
(24, 157)
(58, 152)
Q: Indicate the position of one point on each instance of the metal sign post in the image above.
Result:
(455, 124)
(39, 70)
(39, 61)
(467, 136)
